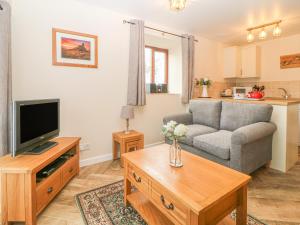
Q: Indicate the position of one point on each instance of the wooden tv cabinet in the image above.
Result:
(22, 197)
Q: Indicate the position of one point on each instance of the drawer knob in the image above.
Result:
(71, 170)
(50, 189)
(170, 206)
(137, 179)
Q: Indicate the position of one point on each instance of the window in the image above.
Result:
(156, 66)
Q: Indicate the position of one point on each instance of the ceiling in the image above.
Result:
(221, 20)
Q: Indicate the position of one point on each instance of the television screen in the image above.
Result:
(37, 120)
(35, 123)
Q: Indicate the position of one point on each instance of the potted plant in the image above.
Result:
(204, 83)
(174, 132)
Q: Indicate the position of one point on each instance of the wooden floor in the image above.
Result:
(273, 197)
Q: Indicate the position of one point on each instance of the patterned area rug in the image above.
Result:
(104, 206)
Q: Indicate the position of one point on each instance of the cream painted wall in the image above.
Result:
(270, 58)
(209, 59)
(91, 99)
(271, 51)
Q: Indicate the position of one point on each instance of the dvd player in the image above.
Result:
(51, 168)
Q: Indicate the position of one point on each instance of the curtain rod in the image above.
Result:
(162, 31)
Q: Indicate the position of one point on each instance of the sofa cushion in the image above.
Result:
(217, 143)
(236, 115)
(206, 112)
(195, 130)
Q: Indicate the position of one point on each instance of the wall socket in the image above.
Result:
(84, 147)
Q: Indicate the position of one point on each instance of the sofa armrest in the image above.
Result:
(252, 132)
(185, 118)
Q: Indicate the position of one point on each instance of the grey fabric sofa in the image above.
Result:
(236, 135)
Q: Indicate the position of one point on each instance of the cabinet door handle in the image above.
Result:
(169, 207)
(137, 179)
(50, 189)
(71, 170)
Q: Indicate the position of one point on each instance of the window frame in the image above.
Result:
(166, 52)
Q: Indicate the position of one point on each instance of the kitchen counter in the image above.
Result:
(267, 100)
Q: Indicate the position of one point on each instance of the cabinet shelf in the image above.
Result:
(147, 210)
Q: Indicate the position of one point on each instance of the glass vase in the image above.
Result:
(175, 154)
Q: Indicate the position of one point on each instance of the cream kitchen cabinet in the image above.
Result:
(241, 62)
(232, 62)
(250, 59)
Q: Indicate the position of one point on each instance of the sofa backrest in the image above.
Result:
(236, 115)
(206, 112)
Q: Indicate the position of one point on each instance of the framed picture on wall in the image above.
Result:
(74, 49)
(290, 61)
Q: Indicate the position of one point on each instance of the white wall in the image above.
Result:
(91, 99)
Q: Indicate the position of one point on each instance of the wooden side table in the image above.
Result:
(128, 142)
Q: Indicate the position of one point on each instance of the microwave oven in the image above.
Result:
(241, 92)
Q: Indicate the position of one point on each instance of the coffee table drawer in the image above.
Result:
(168, 205)
(137, 178)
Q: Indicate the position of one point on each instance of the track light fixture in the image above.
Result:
(250, 36)
(263, 33)
(277, 31)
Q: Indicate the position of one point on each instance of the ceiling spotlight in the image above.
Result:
(277, 31)
(177, 5)
(250, 36)
(262, 34)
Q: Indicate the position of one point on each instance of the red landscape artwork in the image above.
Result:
(290, 61)
(70, 48)
(75, 49)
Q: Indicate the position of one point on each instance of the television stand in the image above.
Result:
(41, 148)
(30, 182)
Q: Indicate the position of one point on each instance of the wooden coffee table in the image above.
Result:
(201, 192)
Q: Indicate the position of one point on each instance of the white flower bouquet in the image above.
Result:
(174, 131)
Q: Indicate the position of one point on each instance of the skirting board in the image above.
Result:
(106, 157)
(95, 160)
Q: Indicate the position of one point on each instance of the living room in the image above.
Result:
(202, 44)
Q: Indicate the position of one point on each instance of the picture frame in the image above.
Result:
(290, 61)
(74, 49)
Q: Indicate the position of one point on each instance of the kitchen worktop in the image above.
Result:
(266, 100)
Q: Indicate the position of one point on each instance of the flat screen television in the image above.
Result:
(35, 123)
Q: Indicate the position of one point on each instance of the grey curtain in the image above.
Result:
(5, 79)
(188, 55)
(136, 92)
